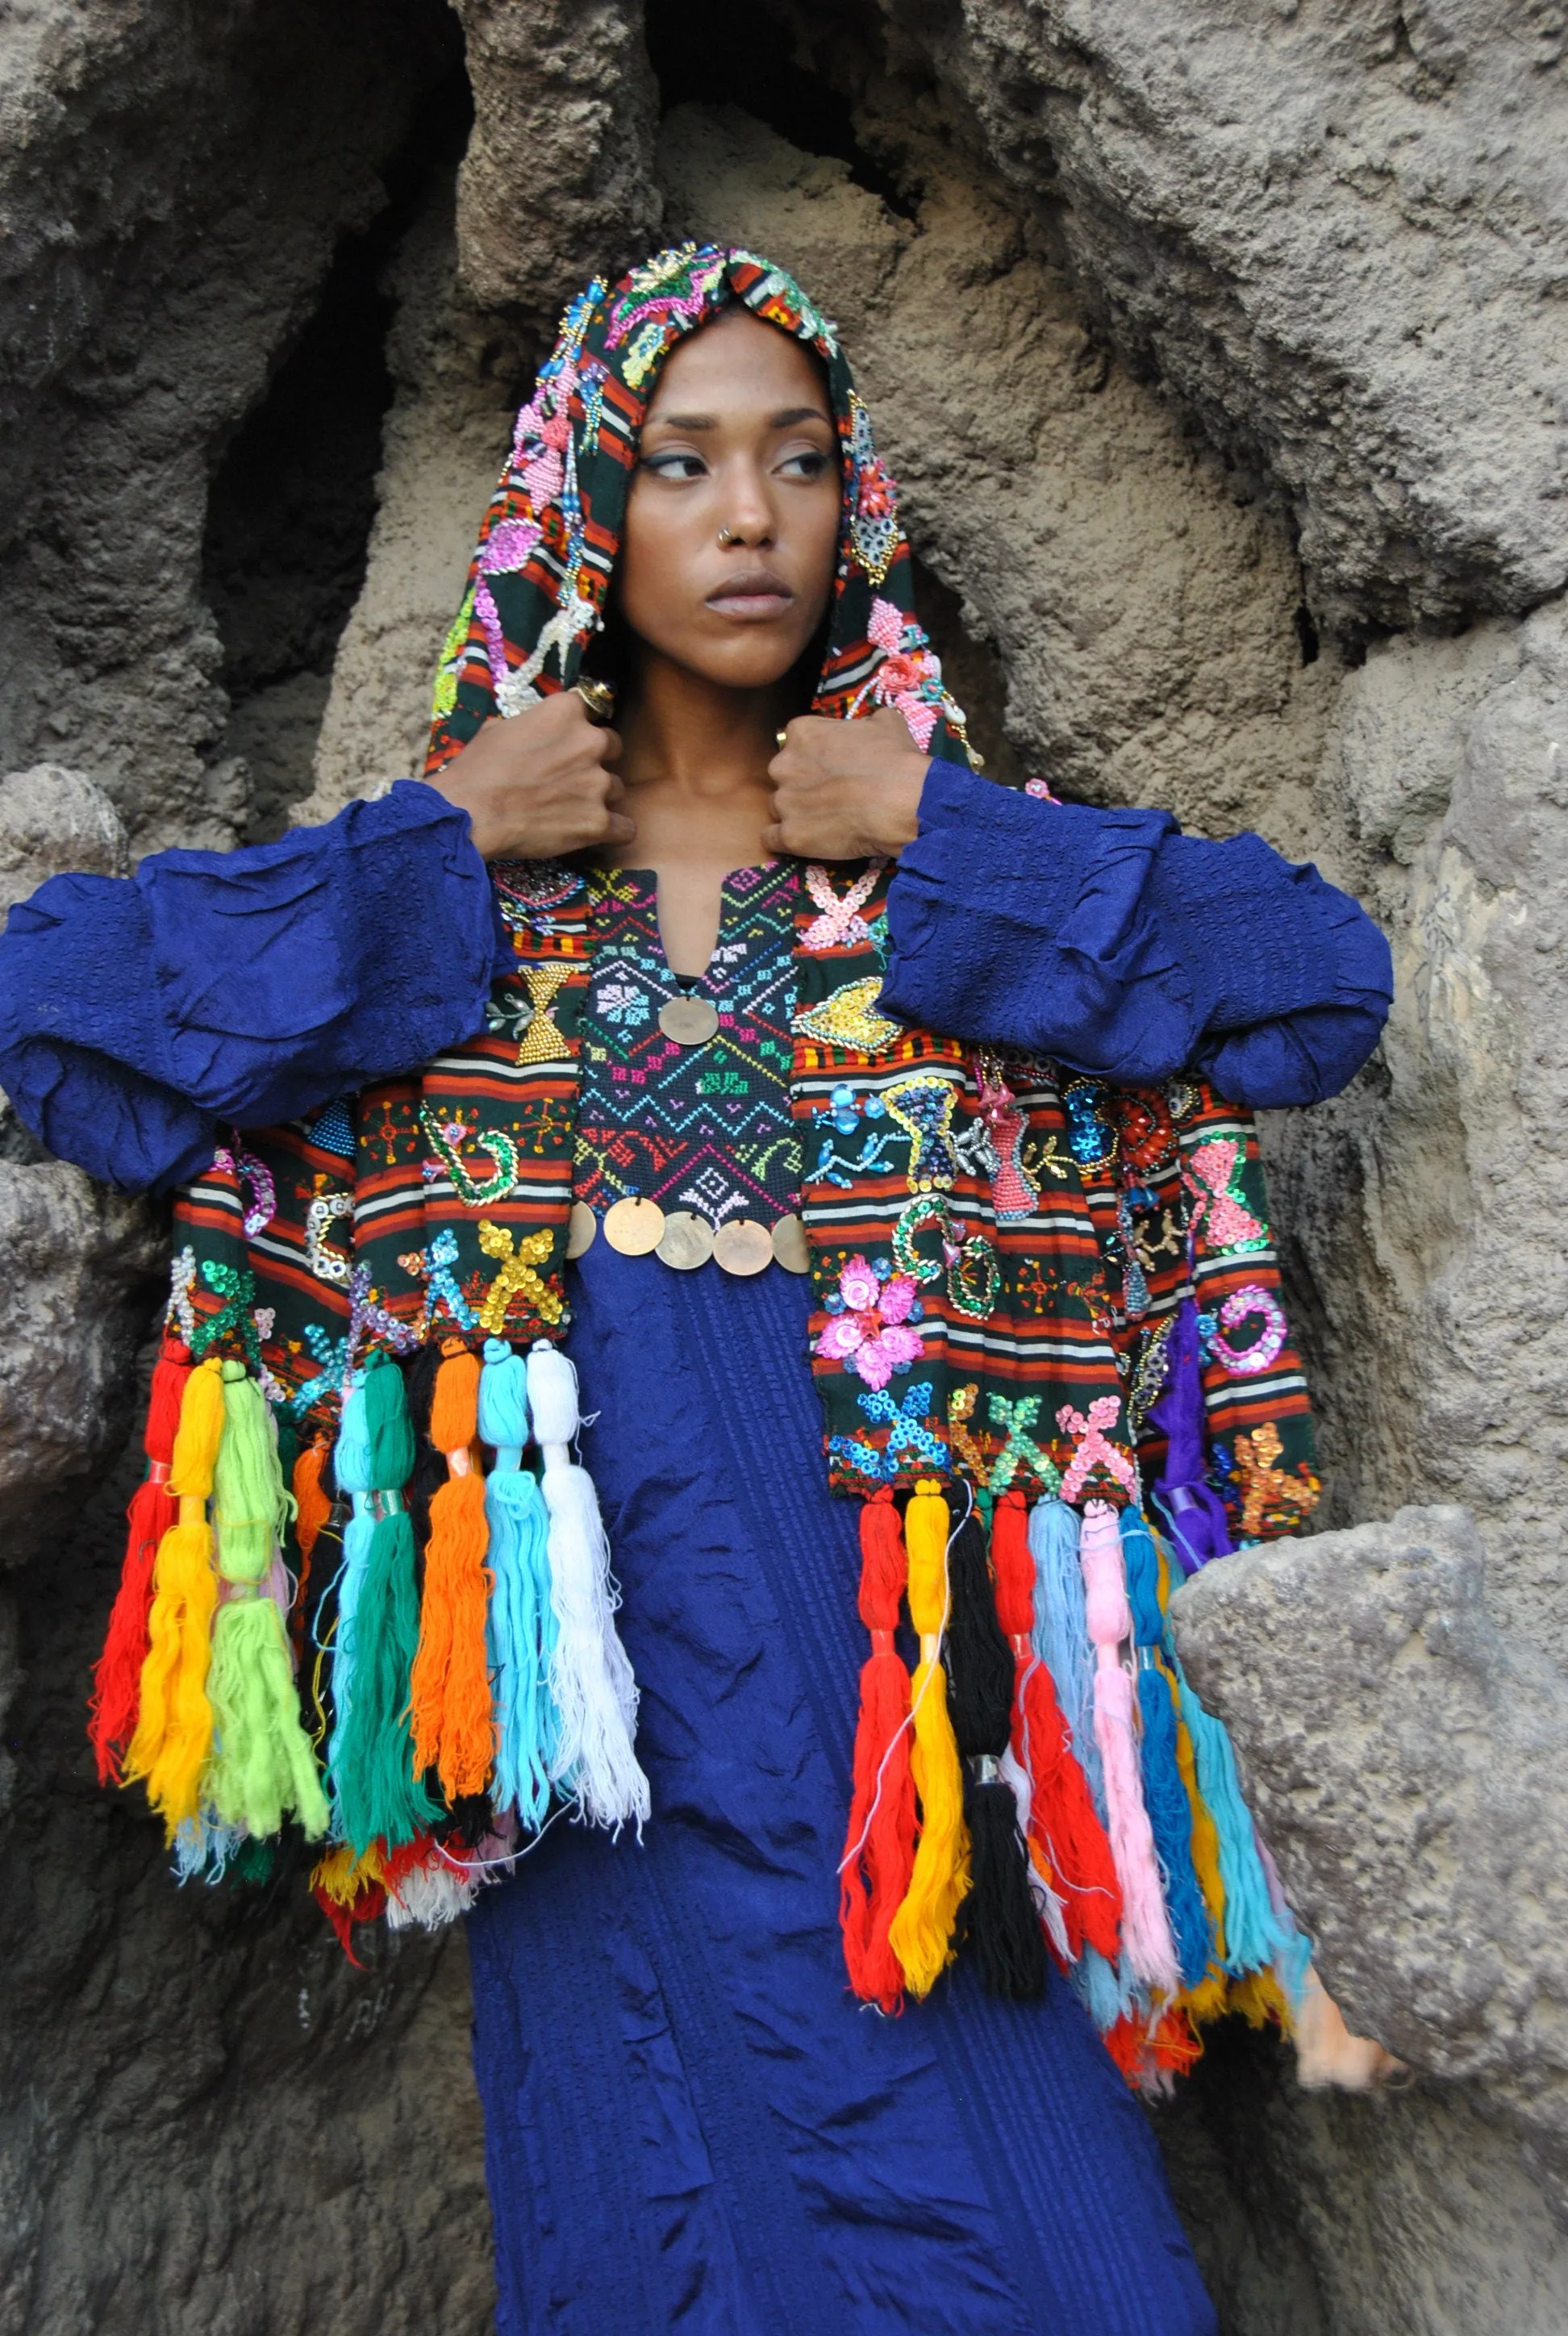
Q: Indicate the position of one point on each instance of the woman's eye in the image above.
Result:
(809, 463)
(674, 465)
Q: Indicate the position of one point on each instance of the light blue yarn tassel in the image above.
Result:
(1256, 1937)
(1061, 1633)
(1107, 1992)
(521, 1628)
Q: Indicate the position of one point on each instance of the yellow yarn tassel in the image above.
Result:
(1261, 2001)
(1208, 2000)
(174, 1725)
(920, 1932)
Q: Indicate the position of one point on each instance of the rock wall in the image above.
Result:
(1217, 351)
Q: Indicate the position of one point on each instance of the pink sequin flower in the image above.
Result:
(876, 496)
(873, 1336)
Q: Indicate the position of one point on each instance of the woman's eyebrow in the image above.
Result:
(784, 420)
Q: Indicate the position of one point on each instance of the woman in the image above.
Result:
(710, 1064)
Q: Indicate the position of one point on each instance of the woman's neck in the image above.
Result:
(693, 759)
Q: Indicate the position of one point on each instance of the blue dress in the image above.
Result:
(691, 2124)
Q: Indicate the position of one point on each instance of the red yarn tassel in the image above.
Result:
(116, 1697)
(880, 1845)
(1063, 1821)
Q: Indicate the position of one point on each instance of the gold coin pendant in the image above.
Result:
(742, 1246)
(688, 1240)
(689, 1021)
(789, 1245)
(634, 1227)
(581, 1229)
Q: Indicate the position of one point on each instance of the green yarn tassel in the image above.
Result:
(261, 1767)
(251, 1505)
(378, 1795)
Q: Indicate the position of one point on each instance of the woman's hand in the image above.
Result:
(846, 790)
(537, 784)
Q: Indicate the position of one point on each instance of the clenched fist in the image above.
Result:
(846, 790)
(539, 784)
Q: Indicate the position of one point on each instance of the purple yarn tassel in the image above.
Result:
(1191, 1509)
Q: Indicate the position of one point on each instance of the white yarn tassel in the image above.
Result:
(431, 1895)
(591, 1678)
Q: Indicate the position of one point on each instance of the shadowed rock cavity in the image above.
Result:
(1217, 358)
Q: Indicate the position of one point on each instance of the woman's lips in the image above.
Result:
(755, 599)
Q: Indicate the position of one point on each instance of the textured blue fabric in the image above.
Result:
(1126, 949)
(691, 2125)
(138, 1015)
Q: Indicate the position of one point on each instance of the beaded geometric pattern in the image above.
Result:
(704, 1128)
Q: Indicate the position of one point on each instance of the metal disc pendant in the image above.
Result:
(742, 1246)
(634, 1227)
(689, 1021)
(789, 1245)
(688, 1240)
(581, 1229)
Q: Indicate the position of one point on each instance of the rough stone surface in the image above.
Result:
(446, 435)
(173, 178)
(1206, 343)
(1423, 1207)
(557, 182)
(1407, 1762)
(80, 1259)
(1308, 221)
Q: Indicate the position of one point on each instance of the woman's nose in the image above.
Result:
(746, 514)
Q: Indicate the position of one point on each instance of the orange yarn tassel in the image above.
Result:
(879, 1845)
(1063, 1821)
(452, 1714)
(117, 1675)
(311, 1504)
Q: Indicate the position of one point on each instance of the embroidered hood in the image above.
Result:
(540, 577)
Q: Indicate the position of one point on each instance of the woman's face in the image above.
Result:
(732, 523)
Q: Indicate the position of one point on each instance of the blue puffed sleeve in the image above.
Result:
(140, 1015)
(1126, 949)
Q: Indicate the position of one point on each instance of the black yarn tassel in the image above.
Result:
(1000, 1914)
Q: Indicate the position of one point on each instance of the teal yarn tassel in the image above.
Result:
(521, 1628)
(351, 1465)
(1061, 1633)
(1255, 1936)
(377, 1795)
(1165, 1793)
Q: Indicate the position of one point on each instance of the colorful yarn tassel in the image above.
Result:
(1170, 1812)
(1063, 1821)
(922, 1931)
(262, 1767)
(1061, 1637)
(174, 1721)
(1255, 1937)
(117, 1676)
(1146, 1929)
(879, 1842)
(453, 1723)
(1193, 1511)
(591, 1682)
(376, 1794)
(521, 1631)
(1002, 1918)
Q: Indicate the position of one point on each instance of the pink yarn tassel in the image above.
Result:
(1145, 1926)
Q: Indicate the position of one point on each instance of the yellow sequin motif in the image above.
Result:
(515, 1276)
(849, 1018)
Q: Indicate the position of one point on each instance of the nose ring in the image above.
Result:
(727, 535)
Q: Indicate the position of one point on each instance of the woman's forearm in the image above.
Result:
(140, 1015)
(1114, 942)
